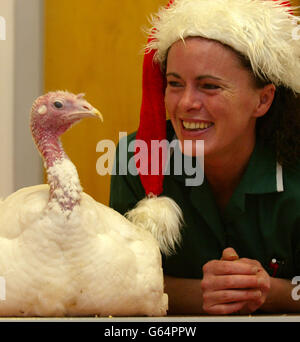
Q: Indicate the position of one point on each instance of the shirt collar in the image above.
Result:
(263, 175)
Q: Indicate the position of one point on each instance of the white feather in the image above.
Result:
(162, 217)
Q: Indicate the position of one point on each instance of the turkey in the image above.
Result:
(61, 252)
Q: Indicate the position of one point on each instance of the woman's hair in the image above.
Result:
(280, 126)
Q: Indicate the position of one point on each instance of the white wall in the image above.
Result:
(7, 99)
(21, 81)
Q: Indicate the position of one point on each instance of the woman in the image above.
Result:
(232, 80)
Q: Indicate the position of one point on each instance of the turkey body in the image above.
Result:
(61, 252)
(93, 263)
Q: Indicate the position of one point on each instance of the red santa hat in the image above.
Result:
(259, 29)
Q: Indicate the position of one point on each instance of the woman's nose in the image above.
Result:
(190, 100)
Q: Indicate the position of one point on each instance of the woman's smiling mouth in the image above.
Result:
(196, 125)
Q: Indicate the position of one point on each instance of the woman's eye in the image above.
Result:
(174, 84)
(210, 86)
(58, 104)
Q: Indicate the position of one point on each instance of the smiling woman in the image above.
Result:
(215, 91)
(206, 65)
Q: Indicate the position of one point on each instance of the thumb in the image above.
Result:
(229, 254)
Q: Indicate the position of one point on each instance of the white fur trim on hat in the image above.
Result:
(261, 30)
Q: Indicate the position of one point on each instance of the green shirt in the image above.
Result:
(261, 220)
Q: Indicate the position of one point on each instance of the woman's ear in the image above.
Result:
(266, 97)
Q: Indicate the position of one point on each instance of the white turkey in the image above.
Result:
(61, 252)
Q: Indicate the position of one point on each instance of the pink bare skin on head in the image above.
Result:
(52, 114)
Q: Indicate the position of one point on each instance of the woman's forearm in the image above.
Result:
(185, 295)
(280, 298)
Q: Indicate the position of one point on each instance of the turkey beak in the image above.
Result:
(85, 112)
(95, 112)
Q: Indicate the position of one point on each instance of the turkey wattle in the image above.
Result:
(61, 252)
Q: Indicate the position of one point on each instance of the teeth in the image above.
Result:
(196, 125)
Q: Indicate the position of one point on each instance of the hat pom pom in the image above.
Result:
(162, 217)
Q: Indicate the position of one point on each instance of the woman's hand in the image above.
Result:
(233, 285)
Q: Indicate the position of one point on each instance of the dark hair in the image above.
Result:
(280, 126)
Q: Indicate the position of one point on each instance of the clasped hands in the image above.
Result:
(232, 285)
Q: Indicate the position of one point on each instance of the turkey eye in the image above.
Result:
(58, 104)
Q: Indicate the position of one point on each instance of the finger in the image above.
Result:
(220, 267)
(263, 282)
(229, 254)
(231, 296)
(252, 306)
(250, 262)
(224, 309)
(225, 282)
(263, 278)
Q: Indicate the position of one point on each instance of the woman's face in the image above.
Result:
(210, 96)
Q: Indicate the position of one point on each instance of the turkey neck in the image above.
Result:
(65, 189)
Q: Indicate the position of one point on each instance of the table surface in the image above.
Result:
(204, 319)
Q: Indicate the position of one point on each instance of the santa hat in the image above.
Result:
(261, 30)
